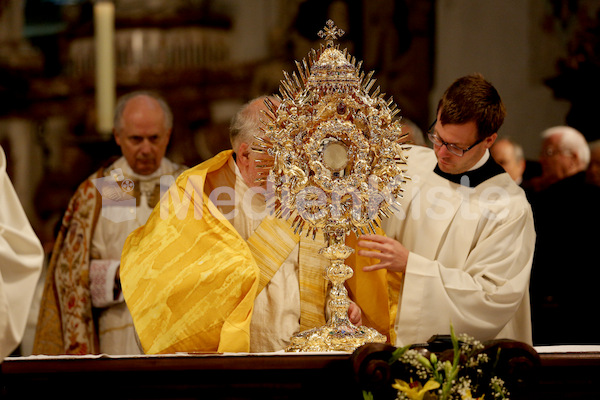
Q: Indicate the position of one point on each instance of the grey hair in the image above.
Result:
(248, 121)
(572, 140)
(123, 100)
(517, 148)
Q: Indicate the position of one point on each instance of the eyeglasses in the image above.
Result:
(452, 148)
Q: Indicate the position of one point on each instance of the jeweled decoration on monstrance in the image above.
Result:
(336, 163)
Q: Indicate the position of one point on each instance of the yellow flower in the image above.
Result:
(468, 396)
(414, 390)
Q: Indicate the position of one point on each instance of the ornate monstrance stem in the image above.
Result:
(339, 334)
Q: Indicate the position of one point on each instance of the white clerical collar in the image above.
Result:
(481, 161)
(163, 169)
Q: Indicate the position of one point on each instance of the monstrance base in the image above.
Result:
(342, 337)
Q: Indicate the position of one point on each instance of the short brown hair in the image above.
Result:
(472, 98)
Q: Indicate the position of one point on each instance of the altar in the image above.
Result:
(563, 373)
(180, 376)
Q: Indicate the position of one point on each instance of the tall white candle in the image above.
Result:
(104, 30)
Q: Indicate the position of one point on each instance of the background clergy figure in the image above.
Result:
(560, 302)
(465, 242)
(84, 270)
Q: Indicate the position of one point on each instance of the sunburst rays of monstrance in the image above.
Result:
(333, 159)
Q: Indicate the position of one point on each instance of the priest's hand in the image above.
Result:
(355, 314)
(391, 254)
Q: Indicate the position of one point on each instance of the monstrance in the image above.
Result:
(335, 163)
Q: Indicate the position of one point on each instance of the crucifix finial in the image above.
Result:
(331, 32)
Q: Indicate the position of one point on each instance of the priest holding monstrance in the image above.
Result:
(212, 271)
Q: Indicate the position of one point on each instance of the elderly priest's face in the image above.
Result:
(143, 136)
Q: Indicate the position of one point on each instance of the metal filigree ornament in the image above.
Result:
(335, 163)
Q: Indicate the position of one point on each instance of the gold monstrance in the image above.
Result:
(335, 163)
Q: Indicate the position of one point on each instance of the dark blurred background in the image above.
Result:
(207, 57)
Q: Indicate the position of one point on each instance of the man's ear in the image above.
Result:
(242, 156)
(490, 140)
(116, 135)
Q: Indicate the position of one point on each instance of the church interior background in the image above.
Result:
(208, 57)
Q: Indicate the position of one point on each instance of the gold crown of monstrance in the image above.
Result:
(335, 162)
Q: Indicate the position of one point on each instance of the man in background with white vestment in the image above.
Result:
(82, 309)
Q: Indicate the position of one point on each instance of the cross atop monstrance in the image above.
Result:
(331, 32)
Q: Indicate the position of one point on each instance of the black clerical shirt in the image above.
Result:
(474, 177)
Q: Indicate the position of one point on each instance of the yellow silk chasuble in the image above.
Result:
(190, 280)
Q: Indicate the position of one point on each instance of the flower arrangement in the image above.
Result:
(465, 372)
